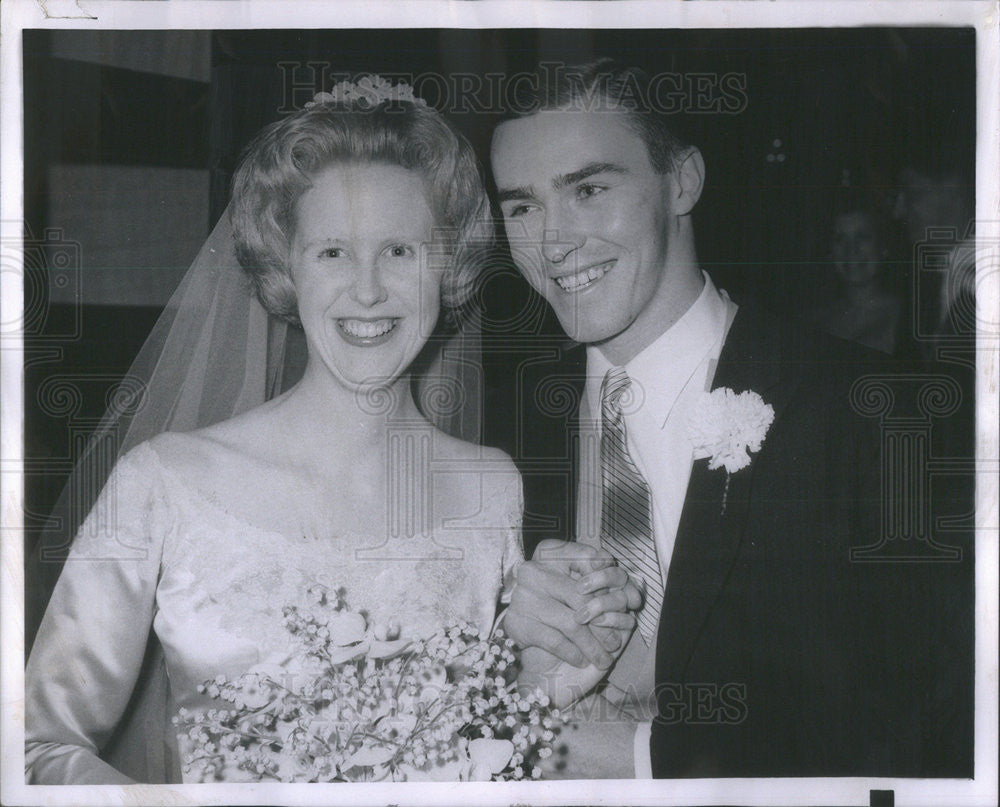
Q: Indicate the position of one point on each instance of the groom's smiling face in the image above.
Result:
(588, 220)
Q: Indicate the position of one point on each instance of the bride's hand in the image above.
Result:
(569, 612)
(572, 601)
(563, 683)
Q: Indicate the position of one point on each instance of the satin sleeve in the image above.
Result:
(89, 648)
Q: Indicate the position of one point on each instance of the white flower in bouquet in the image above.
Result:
(356, 702)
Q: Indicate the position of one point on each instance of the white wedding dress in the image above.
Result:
(159, 553)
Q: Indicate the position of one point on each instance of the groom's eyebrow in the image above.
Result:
(589, 170)
(561, 181)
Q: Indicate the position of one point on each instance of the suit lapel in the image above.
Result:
(754, 357)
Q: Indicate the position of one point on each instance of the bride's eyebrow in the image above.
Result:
(312, 243)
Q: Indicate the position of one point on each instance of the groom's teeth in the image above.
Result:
(584, 278)
(364, 329)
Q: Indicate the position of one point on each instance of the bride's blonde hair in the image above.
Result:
(278, 165)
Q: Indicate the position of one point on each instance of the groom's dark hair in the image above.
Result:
(603, 85)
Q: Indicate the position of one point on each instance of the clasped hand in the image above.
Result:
(570, 613)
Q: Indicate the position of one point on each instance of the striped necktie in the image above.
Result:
(626, 508)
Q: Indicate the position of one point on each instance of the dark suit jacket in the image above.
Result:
(779, 652)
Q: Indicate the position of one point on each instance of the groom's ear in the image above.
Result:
(689, 176)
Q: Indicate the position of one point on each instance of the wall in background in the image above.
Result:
(181, 54)
(124, 179)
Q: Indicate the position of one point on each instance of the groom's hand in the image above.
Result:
(572, 601)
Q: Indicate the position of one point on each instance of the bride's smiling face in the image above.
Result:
(366, 299)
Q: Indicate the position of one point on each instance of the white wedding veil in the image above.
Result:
(212, 353)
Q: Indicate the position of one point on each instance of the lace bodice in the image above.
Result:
(158, 552)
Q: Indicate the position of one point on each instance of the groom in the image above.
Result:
(764, 647)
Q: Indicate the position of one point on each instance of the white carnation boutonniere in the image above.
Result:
(727, 428)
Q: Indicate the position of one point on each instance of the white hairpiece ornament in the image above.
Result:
(368, 92)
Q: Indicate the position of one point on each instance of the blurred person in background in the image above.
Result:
(867, 303)
(935, 202)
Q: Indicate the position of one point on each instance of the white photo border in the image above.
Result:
(18, 15)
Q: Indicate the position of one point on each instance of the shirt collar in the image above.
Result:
(662, 369)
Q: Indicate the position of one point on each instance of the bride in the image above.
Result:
(355, 219)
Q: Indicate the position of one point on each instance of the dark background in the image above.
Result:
(849, 107)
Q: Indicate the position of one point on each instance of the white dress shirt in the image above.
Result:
(668, 379)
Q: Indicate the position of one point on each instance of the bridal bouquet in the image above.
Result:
(356, 702)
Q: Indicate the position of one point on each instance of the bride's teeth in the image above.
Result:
(367, 330)
(584, 278)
